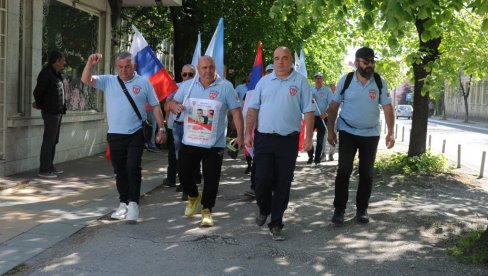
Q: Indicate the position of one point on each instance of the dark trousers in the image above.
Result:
(275, 158)
(367, 147)
(319, 126)
(126, 153)
(189, 162)
(52, 126)
(172, 162)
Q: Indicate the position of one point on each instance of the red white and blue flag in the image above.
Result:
(149, 66)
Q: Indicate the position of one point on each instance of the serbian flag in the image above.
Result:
(256, 74)
(149, 66)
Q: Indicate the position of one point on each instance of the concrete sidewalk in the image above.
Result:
(36, 213)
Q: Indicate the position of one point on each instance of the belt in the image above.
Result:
(294, 133)
(178, 123)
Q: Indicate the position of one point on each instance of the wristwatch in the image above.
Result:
(162, 129)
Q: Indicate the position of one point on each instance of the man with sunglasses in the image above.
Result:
(175, 134)
(359, 130)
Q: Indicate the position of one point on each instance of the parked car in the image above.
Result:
(403, 110)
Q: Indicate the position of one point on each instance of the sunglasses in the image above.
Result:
(367, 61)
(189, 74)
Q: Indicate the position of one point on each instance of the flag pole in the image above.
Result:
(317, 106)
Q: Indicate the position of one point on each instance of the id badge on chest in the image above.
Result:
(201, 121)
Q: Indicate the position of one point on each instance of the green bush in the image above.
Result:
(399, 162)
(471, 249)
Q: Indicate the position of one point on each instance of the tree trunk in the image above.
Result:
(418, 134)
(465, 97)
(186, 26)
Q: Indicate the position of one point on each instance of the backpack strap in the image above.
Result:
(377, 79)
(347, 82)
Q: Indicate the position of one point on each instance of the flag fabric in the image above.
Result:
(215, 48)
(149, 66)
(302, 69)
(256, 74)
(198, 51)
(257, 68)
(297, 62)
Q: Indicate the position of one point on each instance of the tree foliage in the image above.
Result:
(394, 24)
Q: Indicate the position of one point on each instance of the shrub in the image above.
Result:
(399, 162)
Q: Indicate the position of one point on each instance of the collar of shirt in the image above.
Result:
(133, 78)
(217, 81)
(290, 76)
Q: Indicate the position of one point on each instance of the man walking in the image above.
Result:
(359, 130)
(205, 143)
(279, 100)
(125, 135)
(50, 99)
(321, 96)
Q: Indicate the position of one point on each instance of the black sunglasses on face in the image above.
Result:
(367, 61)
(189, 74)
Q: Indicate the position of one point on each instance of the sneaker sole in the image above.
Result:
(131, 221)
(118, 217)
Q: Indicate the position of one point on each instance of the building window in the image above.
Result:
(75, 32)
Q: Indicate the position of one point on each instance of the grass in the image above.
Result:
(472, 249)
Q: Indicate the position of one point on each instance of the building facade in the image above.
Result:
(477, 102)
(29, 29)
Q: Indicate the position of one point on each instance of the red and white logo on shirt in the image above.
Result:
(293, 90)
(136, 89)
(372, 94)
(213, 94)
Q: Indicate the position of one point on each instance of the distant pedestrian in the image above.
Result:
(359, 130)
(125, 135)
(322, 97)
(50, 99)
(276, 109)
(205, 143)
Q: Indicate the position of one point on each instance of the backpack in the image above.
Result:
(377, 79)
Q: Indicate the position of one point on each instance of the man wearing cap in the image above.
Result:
(269, 69)
(276, 109)
(359, 130)
(321, 97)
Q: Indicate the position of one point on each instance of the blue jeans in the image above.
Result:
(178, 137)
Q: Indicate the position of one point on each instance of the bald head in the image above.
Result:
(282, 62)
(206, 70)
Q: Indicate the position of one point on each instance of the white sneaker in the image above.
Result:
(121, 212)
(132, 213)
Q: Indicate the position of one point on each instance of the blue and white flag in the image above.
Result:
(302, 69)
(215, 48)
(198, 51)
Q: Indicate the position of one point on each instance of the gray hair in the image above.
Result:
(125, 55)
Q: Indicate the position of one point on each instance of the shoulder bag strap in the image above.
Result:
(136, 110)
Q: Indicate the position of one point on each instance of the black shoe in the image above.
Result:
(331, 157)
(179, 188)
(261, 219)
(362, 216)
(317, 163)
(310, 161)
(168, 183)
(338, 217)
(184, 197)
(250, 193)
(248, 170)
(276, 233)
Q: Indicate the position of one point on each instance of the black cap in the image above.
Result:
(365, 52)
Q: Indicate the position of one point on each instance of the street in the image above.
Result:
(472, 138)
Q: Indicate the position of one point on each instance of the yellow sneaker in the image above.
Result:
(192, 205)
(207, 220)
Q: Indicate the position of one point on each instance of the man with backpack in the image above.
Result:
(360, 93)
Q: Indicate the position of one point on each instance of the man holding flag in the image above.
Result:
(125, 135)
(205, 142)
